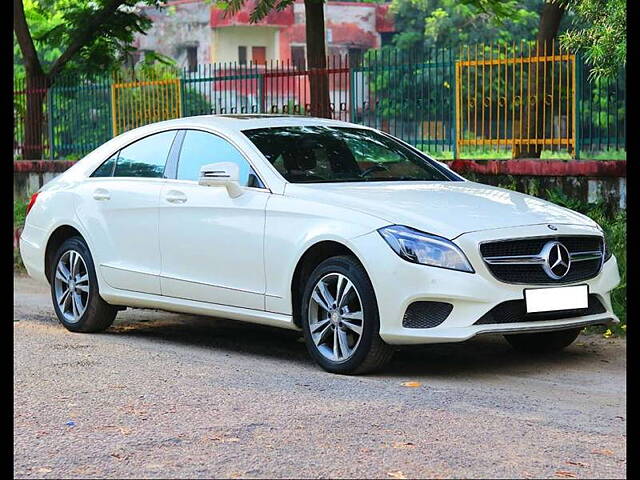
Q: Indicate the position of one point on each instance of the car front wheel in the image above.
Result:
(74, 289)
(340, 318)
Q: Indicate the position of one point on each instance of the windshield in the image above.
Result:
(319, 154)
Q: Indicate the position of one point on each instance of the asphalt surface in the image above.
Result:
(162, 395)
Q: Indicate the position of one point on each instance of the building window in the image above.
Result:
(386, 38)
(242, 55)
(355, 57)
(259, 55)
(298, 57)
(192, 59)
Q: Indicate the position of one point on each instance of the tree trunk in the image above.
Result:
(35, 87)
(34, 138)
(317, 58)
(550, 19)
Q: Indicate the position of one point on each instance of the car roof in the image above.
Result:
(239, 122)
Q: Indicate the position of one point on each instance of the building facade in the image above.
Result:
(193, 32)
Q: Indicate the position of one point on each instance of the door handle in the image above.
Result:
(101, 194)
(174, 196)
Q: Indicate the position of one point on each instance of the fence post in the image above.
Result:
(182, 92)
(577, 103)
(50, 121)
(352, 94)
(456, 109)
(261, 91)
(114, 124)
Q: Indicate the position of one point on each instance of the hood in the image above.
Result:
(448, 209)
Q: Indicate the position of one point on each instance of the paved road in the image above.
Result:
(164, 395)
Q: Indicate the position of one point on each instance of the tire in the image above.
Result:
(356, 353)
(544, 342)
(97, 315)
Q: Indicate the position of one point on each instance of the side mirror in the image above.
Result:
(221, 174)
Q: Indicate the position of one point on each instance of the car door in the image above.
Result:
(119, 206)
(211, 244)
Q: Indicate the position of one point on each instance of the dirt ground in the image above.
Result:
(162, 395)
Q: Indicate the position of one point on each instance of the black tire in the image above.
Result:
(371, 353)
(98, 314)
(543, 342)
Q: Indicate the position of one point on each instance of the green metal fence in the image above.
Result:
(411, 95)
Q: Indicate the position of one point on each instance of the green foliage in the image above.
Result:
(19, 212)
(426, 24)
(601, 32)
(492, 154)
(56, 24)
(261, 8)
(81, 114)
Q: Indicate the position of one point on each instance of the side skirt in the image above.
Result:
(179, 305)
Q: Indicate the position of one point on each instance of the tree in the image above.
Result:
(424, 24)
(85, 35)
(316, 48)
(601, 32)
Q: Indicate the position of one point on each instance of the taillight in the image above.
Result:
(32, 202)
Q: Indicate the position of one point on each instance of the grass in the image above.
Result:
(493, 154)
(19, 214)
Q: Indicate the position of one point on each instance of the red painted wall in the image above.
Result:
(219, 19)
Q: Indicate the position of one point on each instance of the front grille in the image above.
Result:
(534, 273)
(515, 311)
(426, 314)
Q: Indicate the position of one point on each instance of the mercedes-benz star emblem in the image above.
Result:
(557, 260)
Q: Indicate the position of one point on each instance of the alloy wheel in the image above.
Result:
(335, 317)
(72, 286)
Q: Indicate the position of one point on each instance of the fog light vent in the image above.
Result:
(426, 314)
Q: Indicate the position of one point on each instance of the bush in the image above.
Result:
(19, 214)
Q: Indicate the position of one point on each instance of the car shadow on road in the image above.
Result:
(482, 355)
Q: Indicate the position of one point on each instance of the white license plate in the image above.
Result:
(558, 298)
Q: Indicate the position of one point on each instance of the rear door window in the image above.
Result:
(146, 157)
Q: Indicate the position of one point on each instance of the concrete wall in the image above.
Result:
(609, 185)
(29, 176)
(180, 25)
(226, 41)
(586, 181)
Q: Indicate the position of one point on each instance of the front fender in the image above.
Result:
(292, 227)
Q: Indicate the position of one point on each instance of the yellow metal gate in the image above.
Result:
(521, 98)
(142, 102)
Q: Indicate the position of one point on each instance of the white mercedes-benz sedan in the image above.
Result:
(342, 231)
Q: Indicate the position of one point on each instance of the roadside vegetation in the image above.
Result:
(19, 213)
(493, 154)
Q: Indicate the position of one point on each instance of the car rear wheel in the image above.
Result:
(543, 342)
(74, 289)
(340, 318)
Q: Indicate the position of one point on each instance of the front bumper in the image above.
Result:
(398, 283)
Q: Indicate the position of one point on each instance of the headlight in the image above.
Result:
(418, 247)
